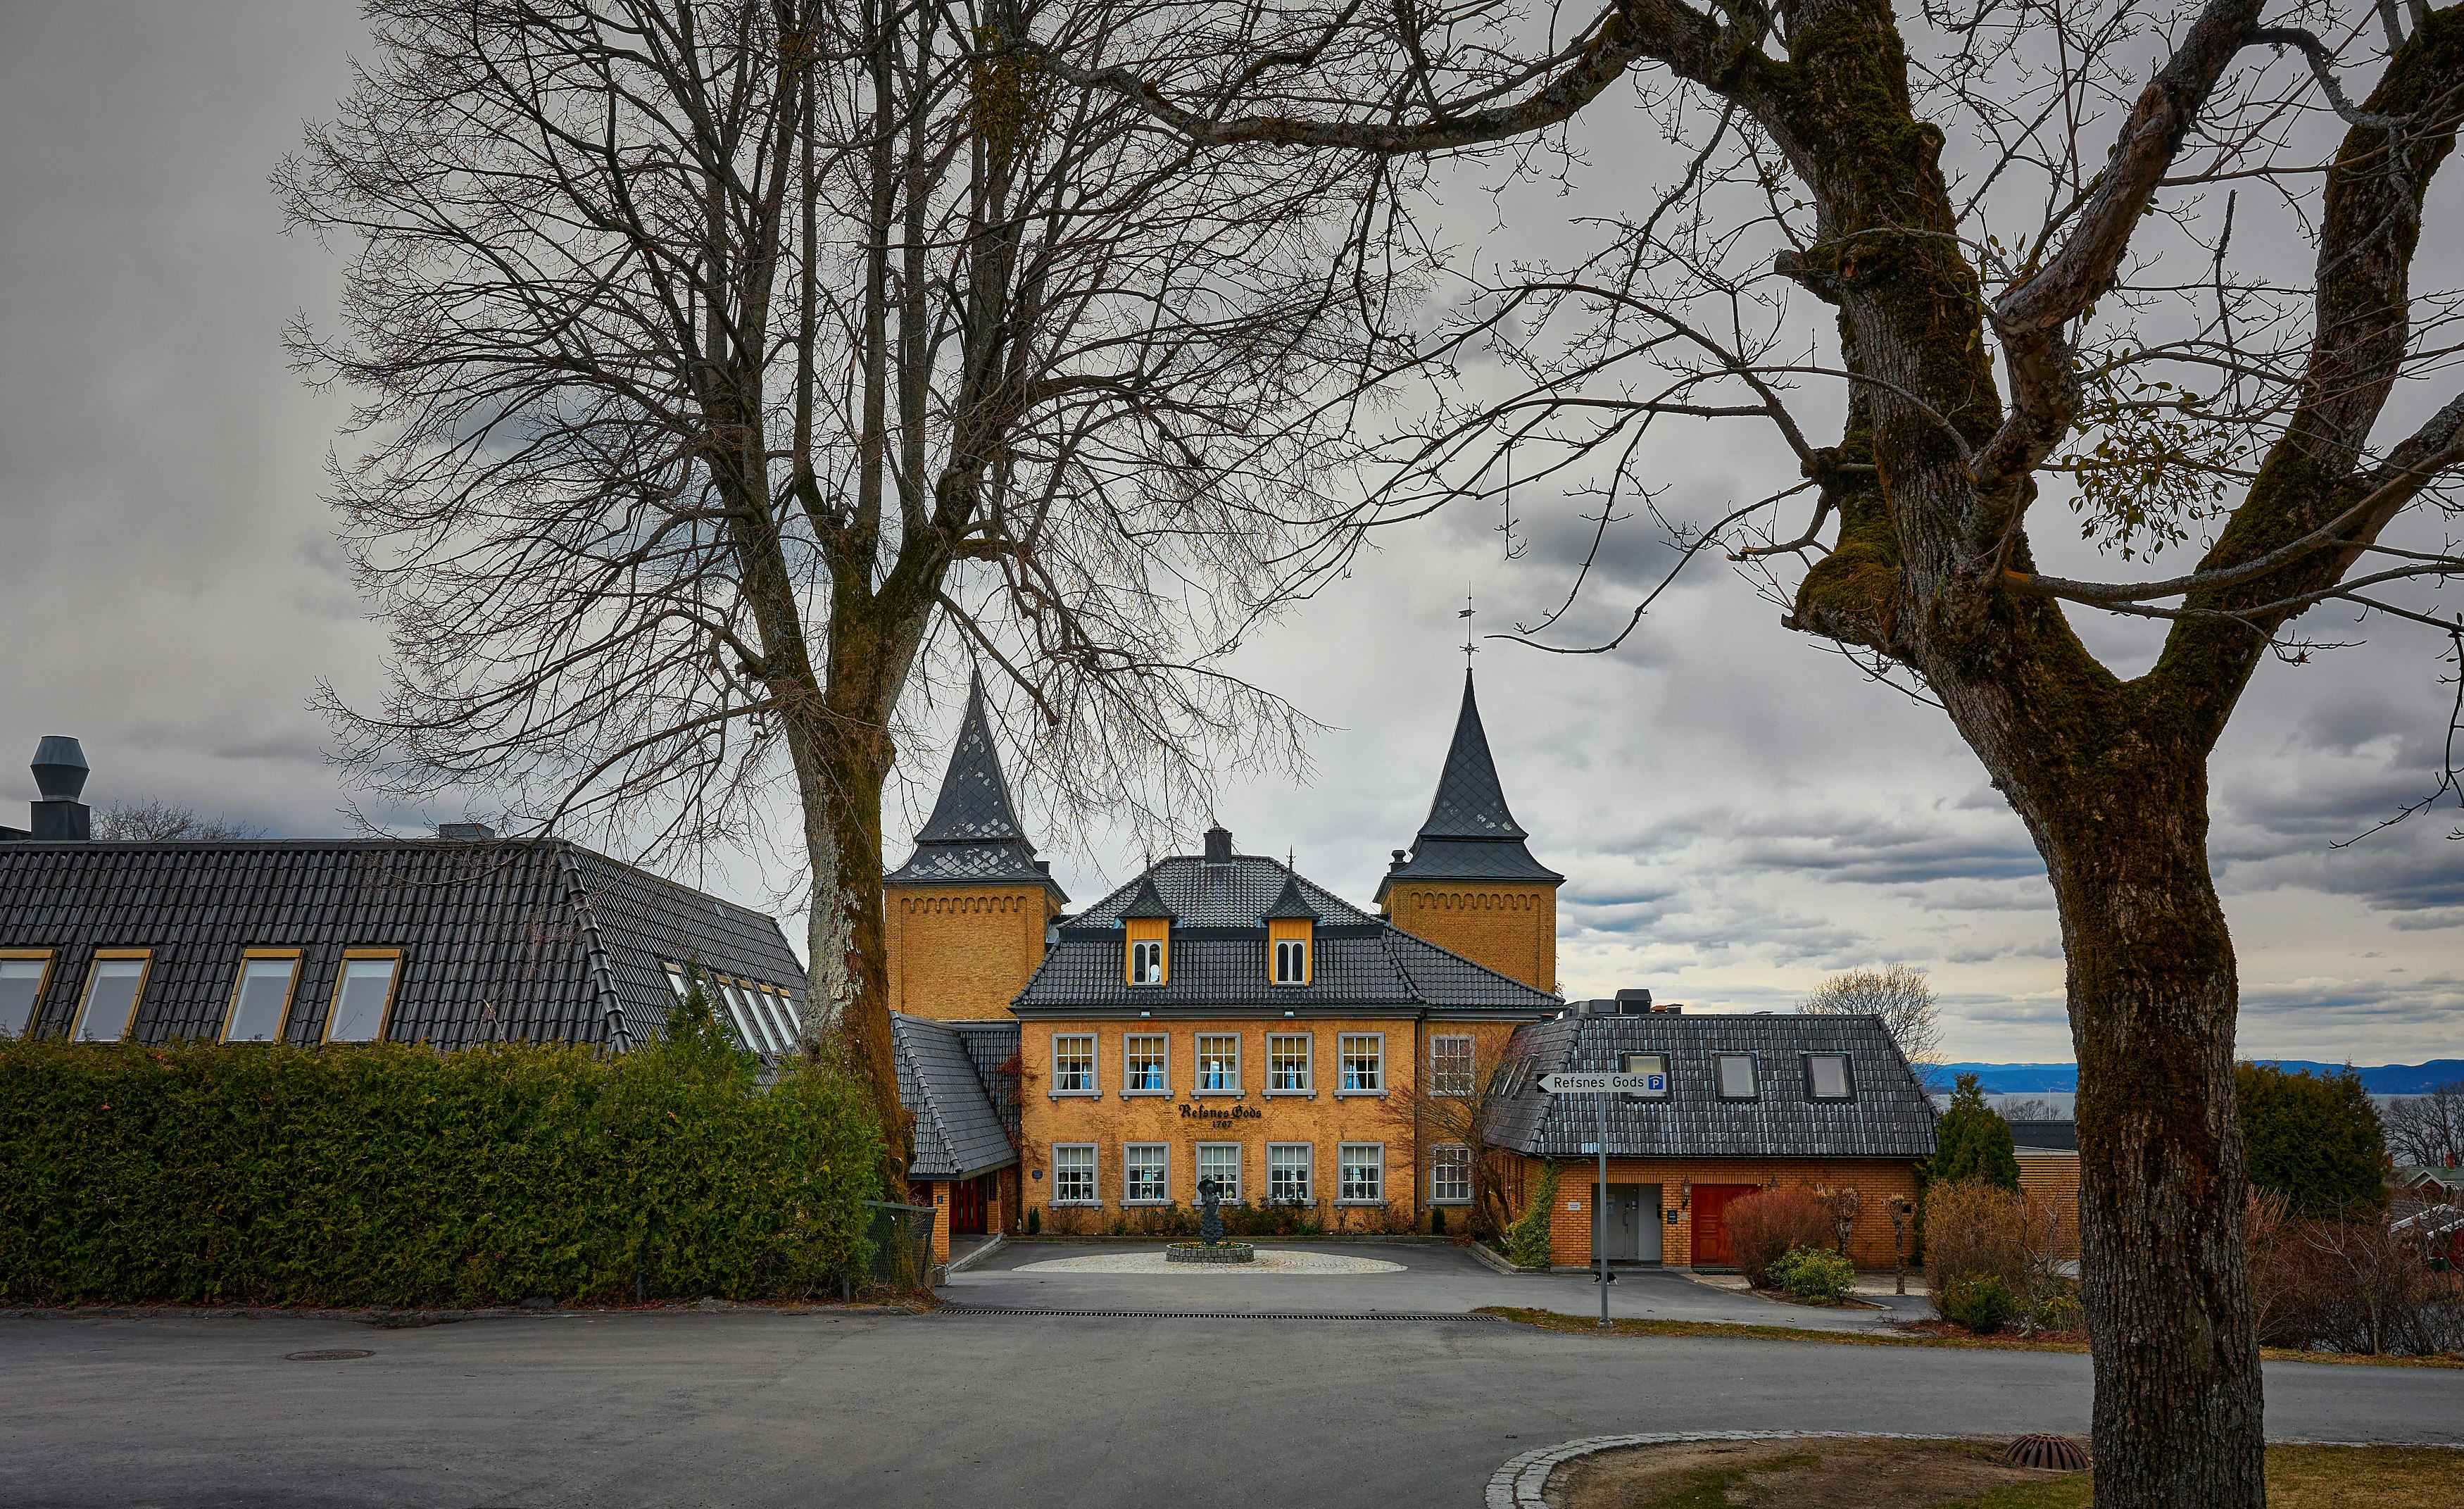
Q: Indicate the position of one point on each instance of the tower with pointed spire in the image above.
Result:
(965, 916)
(1469, 884)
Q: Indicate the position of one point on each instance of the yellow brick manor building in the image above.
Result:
(1223, 1016)
(1219, 1016)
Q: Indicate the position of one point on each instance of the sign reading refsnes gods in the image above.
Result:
(1604, 1083)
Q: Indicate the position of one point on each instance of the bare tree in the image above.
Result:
(2426, 1129)
(156, 819)
(1901, 998)
(2000, 241)
(726, 366)
(2032, 1110)
(1445, 1105)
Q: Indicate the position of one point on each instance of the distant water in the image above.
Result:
(2050, 1080)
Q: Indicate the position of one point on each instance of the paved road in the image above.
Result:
(1438, 1279)
(575, 1412)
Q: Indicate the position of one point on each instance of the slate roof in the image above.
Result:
(1218, 951)
(989, 1046)
(500, 940)
(959, 1134)
(974, 835)
(2045, 1137)
(1890, 1117)
(1469, 833)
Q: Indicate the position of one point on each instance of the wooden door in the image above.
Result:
(967, 1204)
(1711, 1222)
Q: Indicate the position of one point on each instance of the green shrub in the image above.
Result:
(2061, 1312)
(1978, 1302)
(1527, 1240)
(1811, 1273)
(1034, 1221)
(1436, 1220)
(389, 1174)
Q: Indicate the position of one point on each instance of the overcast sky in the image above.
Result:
(1738, 813)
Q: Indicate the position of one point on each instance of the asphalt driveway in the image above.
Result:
(759, 1408)
(1435, 1280)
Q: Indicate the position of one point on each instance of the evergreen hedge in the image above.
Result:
(393, 1175)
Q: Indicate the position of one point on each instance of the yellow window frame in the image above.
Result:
(298, 958)
(1145, 930)
(85, 997)
(394, 990)
(51, 958)
(1292, 930)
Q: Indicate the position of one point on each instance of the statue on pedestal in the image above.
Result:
(1210, 1210)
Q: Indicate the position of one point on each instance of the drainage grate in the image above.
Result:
(2054, 1453)
(338, 1354)
(1215, 1315)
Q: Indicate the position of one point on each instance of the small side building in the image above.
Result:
(2047, 1153)
(1748, 1103)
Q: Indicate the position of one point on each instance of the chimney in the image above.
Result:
(60, 773)
(1396, 863)
(1632, 1001)
(466, 833)
(1219, 845)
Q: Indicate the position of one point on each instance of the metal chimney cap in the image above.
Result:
(59, 768)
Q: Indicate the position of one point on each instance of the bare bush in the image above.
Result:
(1763, 1227)
(1976, 1228)
(2354, 1287)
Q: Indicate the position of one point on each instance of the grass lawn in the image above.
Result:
(1590, 1325)
(1876, 1474)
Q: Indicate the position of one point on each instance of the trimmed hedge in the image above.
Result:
(394, 1175)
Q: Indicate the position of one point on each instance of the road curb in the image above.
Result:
(1517, 1484)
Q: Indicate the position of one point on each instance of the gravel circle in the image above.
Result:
(1268, 1261)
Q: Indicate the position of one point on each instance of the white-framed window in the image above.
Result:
(1654, 1068)
(1291, 960)
(1073, 1173)
(113, 985)
(363, 995)
(1364, 1064)
(1288, 1063)
(1146, 1059)
(1735, 1076)
(1219, 1063)
(1146, 961)
(1450, 1175)
(260, 999)
(677, 983)
(1073, 1063)
(1221, 1162)
(1450, 1066)
(1287, 1173)
(1360, 1173)
(1145, 1173)
(754, 1021)
(1827, 1077)
(789, 1017)
(24, 972)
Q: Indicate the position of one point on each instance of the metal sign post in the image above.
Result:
(1599, 1087)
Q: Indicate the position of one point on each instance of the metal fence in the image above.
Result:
(902, 1244)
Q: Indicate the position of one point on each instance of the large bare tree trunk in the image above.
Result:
(2153, 993)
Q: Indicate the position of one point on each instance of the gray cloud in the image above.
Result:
(1738, 813)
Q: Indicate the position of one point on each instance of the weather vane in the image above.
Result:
(1464, 613)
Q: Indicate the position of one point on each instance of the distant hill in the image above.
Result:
(2382, 1079)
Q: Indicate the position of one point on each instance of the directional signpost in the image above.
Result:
(1599, 1086)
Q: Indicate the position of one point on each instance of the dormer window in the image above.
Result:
(1291, 960)
(1150, 958)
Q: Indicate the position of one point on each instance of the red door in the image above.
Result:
(1711, 1222)
(967, 1204)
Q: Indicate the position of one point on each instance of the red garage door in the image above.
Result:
(1711, 1222)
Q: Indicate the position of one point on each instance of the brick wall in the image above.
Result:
(2054, 1178)
(1181, 1120)
(1510, 928)
(959, 953)
(1570, 1229)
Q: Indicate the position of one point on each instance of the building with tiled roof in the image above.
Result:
(1221, 1015)
(461, 938)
